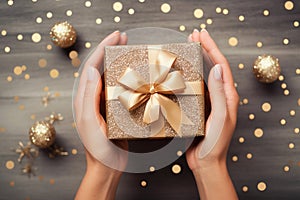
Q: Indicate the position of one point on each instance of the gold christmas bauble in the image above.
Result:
(42, 134)
(266, 68)
(63, 34)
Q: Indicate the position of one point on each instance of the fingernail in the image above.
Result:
(91, 73)
(203, 30)
(117, 31)
(196, 30)
(218, 72)
(190, 38)
(123, 34)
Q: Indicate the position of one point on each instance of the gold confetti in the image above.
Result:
(286, 168)
(19, 37)
(39, 20)
(9, 78)
(198, 13)
(46, 89)
(33, 117)
(10, 2)
(117, 6)
(245, 101)
(18, 70)
(21, 107)
(241, 66)
(49, 47)
(24, 68)
(143, 183)
(251, 116)
(16, 98)
(218, 10)
(292, 113)
(26, 76)
(3, 32)
(152, 169)
(283, 85)
(285, 41)
(209, 21)
(98, 21)
(87, 45)
(225, 11)
(76, 74)
(258, 132)
(281, 78)
(74, 151)
(54, 73)
(2, 130)
(261, 186)
(73, 54)
(245, 188)
(259, 44)
(266, 107)
(165, 8)
(283, 122)
(36, 37)
(235, 158)
(176, 169)
(289, 5)
(249, 156)
(87, 4)
(117, 19)
(131, 11)
(297, 71)
(286, 92)
(28, 169)
(299, 102)
(182, 28)
(179, 153)
(7, 49)
(241, 18)
(10, 164)
(42, 63)
(291, 145)
(49, 15)
(296, 130)
(69, 13)
(202, 26)
(27, 151)
(266, 12)
(241, 140)
(233, 41)
(296, 24)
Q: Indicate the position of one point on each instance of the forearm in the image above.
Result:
(214, 182)
(99, 184)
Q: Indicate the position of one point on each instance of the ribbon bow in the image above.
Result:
(162, 81)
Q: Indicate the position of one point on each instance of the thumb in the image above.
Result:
(91, 98)
(217, 117)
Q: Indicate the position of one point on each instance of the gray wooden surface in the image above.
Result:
(59, 178)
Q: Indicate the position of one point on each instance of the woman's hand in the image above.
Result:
(207, 160)
(101, 178)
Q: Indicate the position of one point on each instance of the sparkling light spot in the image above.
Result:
(10, 164)
(9, 78)
(88, 45)
(241, 18)
(289, 5)
(42, 63)
(258, 132)
(198, 13)
(285, 41)
(259, 44)
(266, 107)
(39, 20)
(261, 186)
(233, 41)
(117, 19)
(6, 49)
(36, 37)
(266, 12)
(176, 169)
(165, 8)
(49, 15)
(286, 168)
(182, 28)
(179, 153)
(296, 23)
(235, 158)
(281, 78)
(249, 156)
(241, 140)
(69, 13)
(98, 21)
(283, 122)
(74, 151)
(251, 116)
(54, 73)
(209, 21)
(117, 6)
(19, 37)
(88, 4)
(218, 10)
(225, 11)
(296, 130)
(143, 183)
(131, 11)
(291, 145)
(292, 113)
(152, 169)
(241, 66)
(18, 70)
(245, 188)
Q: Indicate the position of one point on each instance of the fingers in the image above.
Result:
(218, 113)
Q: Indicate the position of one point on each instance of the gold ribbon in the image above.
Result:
(135, 91)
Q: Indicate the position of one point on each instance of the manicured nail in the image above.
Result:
(196, 30)
(203, 30)
(117, 31)
(218, 72)
(123, 34)
(91, 73)
(190, 38)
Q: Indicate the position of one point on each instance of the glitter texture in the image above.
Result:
(129, 125)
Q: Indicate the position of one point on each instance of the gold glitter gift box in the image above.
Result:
(154, 91)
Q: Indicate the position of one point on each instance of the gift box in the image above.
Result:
(154, 91)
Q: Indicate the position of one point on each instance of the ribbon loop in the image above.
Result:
(162, 81)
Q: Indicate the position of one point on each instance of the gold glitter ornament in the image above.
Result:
(63, 34)
(266, 68)
(42, 134)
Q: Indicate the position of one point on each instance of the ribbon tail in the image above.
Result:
(131, 100)
(173, 114)
(152, 109)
